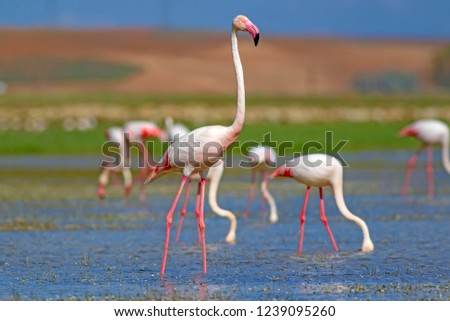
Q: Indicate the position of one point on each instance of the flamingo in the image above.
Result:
(429, 132)
(214, 176)
(174, 131)
(116, 135)
(263, 158)
(203, 147)
(320, 170)
(138, 132)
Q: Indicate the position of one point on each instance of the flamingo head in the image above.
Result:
(243, 23)
(408, 131)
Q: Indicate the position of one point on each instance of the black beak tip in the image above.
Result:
(256, 40)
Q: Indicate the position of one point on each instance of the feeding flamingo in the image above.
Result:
(214, 176)
(138, 132)
(263, 158)
(428, 132)
(320, 170)
(203, 147)
(115, 135)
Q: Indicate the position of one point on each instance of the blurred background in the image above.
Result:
(76, 65)
(363, 69)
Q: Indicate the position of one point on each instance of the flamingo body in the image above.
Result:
(429, 132)
(320, 170)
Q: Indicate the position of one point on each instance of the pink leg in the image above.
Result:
(201, 222)
(169, 223)
(263, 199)
(197, 210)
(302, 220)
(143, 177)
(101, 194)
(251, 195)
(183, 210)
(409, 169)
(324, 220)
(430, 172)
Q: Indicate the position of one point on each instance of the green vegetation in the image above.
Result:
(137, 100)
(283, 116)
(37, 69)
(361, 136)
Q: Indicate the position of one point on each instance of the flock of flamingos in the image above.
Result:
(189, 154)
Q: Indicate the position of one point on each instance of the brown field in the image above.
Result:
(186, 62)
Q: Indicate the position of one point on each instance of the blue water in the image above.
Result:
(115, 251)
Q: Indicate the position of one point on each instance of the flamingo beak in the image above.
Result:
(253, 31)
(152, 175)
(407, 132)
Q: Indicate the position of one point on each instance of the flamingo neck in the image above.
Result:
(270, 200)
(212, 198)
(367, 244)
(238, 123)
(445, 159)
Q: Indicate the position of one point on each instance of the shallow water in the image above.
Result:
(58, 243)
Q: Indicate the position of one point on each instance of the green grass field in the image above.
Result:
(361, 135)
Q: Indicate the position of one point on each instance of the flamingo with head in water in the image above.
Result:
(138, 132)
(320, 170)
(116, 135)
(429, 132)
(202, 148)
(263, 158)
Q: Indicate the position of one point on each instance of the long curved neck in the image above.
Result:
(270, 200)
(445, 159)
(339, 198)
(212, 198)
(238, 123)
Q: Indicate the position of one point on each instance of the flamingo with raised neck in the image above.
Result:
(204, 146)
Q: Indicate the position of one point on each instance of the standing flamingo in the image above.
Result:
(115, 135)
(321, 170)
(203, 147)
(428, 132)
(214, 176)
(138, 132)
(263, 158)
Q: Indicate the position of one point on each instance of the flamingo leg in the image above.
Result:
(303, 219)
(197, 210)
(251, 195)
(169, 223)
(183, 210)
(201, 221)
(409, 169)
(143, 163)
(430, 172)
(102, 182)
(263, 199)
(324, 220)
